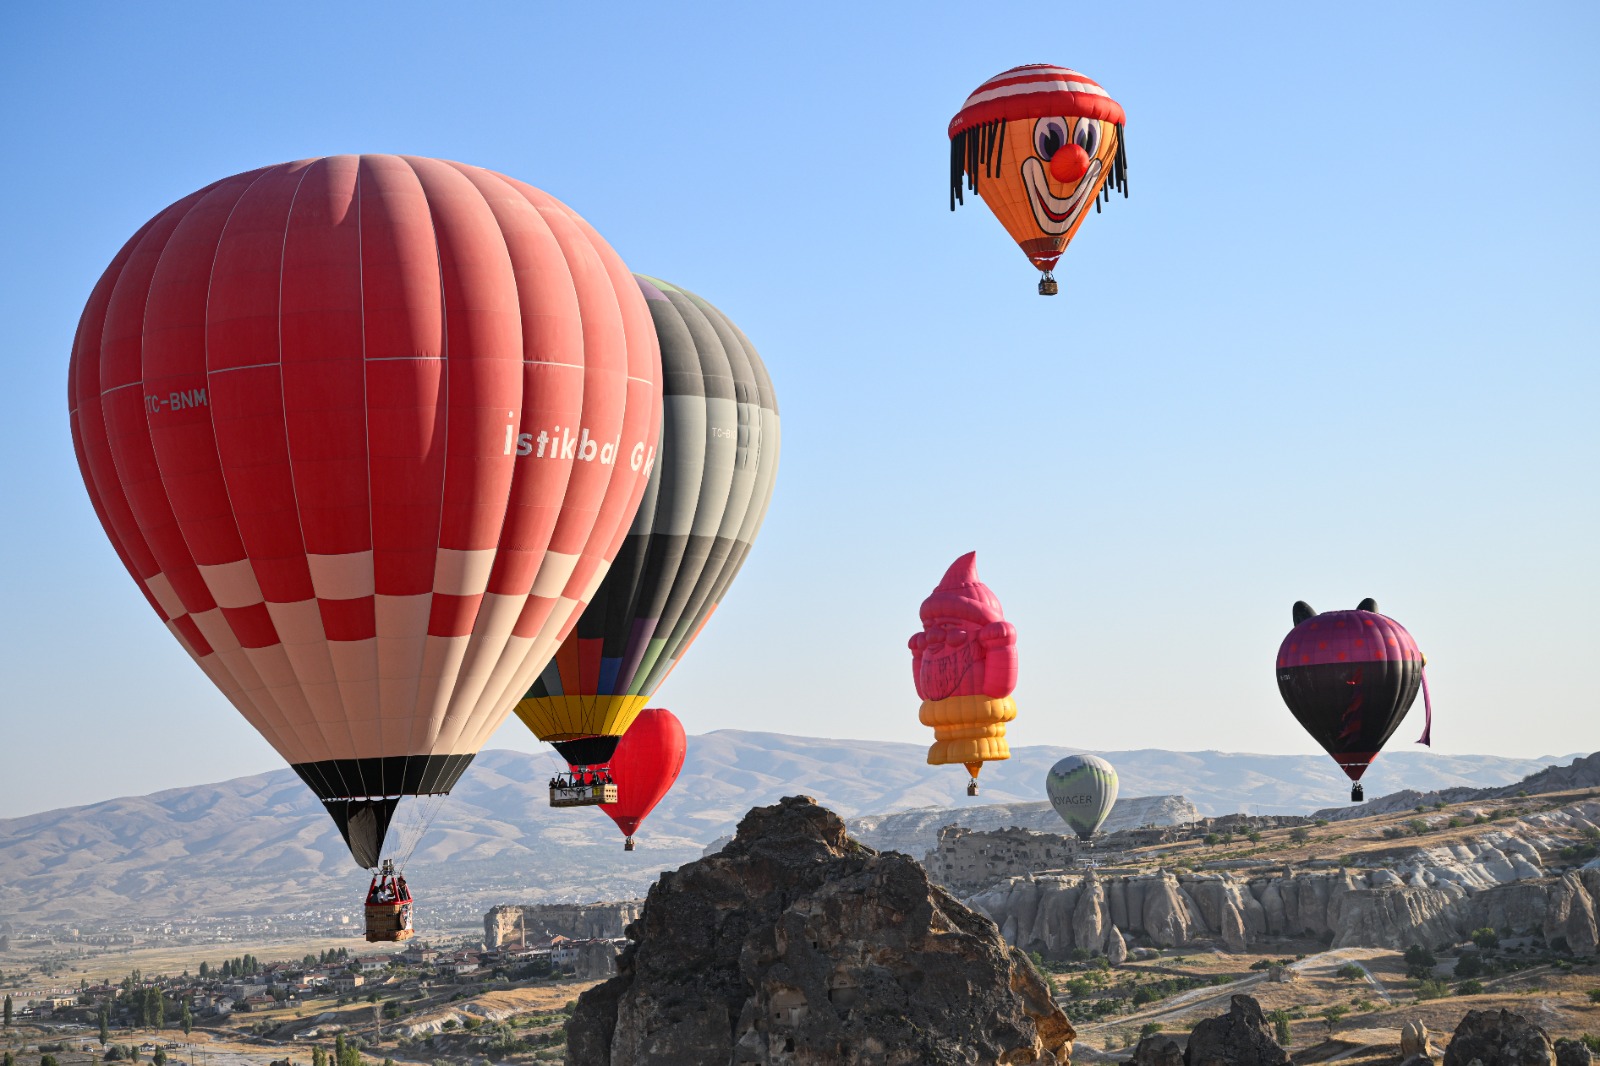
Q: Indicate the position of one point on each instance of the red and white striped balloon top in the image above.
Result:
(1036, 90)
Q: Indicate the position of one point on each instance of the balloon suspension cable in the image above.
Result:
(427, 808)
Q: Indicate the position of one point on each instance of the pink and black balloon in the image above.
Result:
(1349, 677)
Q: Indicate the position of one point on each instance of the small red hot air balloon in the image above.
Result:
(647, 762)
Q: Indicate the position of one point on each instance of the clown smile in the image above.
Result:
(1053, 214)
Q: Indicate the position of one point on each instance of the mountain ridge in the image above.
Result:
(262, 845)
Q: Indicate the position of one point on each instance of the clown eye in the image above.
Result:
(1049, 134)
(1087, 135)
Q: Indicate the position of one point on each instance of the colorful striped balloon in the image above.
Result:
(707, 496)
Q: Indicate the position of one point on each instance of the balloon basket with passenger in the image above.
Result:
(583, 786)
(388, 906)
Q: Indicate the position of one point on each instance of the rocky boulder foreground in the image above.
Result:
(795, 944)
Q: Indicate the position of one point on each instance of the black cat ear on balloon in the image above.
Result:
(1368, 604)
(1302, 611)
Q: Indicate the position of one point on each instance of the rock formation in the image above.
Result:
(915, 832)
(587, 921)
(1498, 1038)
(1157, 1050)
(796, 944)
(1573, 1053)
(1239, 1038)
(1433, 896)
(1416, 1048)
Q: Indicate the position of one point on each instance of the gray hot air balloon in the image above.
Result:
(1082, 789)
(707, 495)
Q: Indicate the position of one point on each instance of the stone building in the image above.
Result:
(517, 924)
(966, 860)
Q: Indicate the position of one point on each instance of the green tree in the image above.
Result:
(1351, 972)
(1470, 964)
(8, 1010)
(319, 1057)
(1419, 962)
(9, 1060)
(205, 970)
(1333, 1014)
(1469, 988)
(47, 1060)
(1594, 995)
(1149, 1029)
(160, 1057)
(1280, 1027)
(1486, 938)
(1212, 840)
(105, 1023)
(186, 1020)
(1299, 834)
(1253, 836)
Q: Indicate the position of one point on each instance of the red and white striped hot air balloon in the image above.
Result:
(367, 431)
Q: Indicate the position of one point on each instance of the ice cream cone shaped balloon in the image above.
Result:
(964, 664)
(1039, 143)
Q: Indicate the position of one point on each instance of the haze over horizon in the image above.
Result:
(1339, 342)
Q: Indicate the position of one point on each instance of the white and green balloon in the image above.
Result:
(1082, 789)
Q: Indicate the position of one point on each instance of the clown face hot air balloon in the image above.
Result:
(1039, 143)
(1082, 789)
(367, 432)
(964, 664)
(1349, 677)
(707, 496)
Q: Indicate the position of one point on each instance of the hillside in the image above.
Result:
(261, 845)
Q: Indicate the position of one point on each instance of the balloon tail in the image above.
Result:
(1427, 706)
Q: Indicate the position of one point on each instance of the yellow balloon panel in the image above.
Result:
(968, 729)
(555, 718)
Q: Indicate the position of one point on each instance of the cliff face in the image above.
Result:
(1380, 908)
(795, 944)
(587, 921)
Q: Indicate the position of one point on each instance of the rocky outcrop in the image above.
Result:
(796, 944)
(1573, 1053)
(1239, 1038)
(586, 921)
(1157, 1050)
(1416, 1049)
(1572, 910)
(1498, 1038)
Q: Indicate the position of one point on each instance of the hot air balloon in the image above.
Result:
(367, 432)
(645, 764)
(964, 664)
(1082, 789)
(1349, 677)
(1039, 143)
(705, 502)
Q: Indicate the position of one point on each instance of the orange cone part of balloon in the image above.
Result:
(964, 664)
(1039, 143)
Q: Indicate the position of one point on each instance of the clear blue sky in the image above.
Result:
(1341, 341)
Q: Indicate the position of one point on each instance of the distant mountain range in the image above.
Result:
(261, 845)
